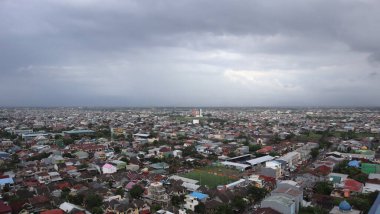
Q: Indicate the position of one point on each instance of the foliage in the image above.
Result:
(352, 172)
(177, 200)
(313, 210)
(257, 194)
(189, 151)
(254, 148)
(274, 154)
(363, 201)
(323, 188)
(93, 200)
(200, 208)
(117, 150)
(136, 191)
(75, 199)
(6, 188)
(224, 209)
(125, 159)
(97, 210)
(239, 203)
(314, 153)
(155, 207)
(68, 141)
(119, 191)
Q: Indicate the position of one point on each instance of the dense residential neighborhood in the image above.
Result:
(190, 160)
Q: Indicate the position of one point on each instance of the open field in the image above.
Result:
(213, 176)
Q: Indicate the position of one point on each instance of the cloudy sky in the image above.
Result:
(189, 53)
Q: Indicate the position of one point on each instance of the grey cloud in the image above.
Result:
(152, 52)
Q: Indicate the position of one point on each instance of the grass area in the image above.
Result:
(213, 176)
(312, 136)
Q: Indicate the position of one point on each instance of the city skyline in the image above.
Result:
(189, 53)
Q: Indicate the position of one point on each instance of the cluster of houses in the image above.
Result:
(51, 158)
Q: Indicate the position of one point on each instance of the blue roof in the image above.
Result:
(344, 206)
(199, 195)
(4, 181)
(354, 163)
(375, 206)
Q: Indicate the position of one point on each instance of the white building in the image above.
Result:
(292, 158)
(276, 166)
(190, 202)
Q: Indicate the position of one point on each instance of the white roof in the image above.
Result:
(374, 176)
(190, 186)
(368, 187)
(187, 180)
(228, 163)
(235, 183)
(67, 207)
(263, 159)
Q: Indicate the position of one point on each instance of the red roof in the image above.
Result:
(165, 149)
(323, 170)
(4, 176)
(55, 211)
(353, 185)
(265, 149)
(5, 208)
(39, 199)
(268, 179)
(63, 185)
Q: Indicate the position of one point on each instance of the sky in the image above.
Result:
(189, 53)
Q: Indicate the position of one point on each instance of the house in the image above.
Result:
(344, 208)
(109, 168)
(265, 150)
(294, 194)
(291, 158)
(276, 166)
(193, 199)
(5, 181)
(353, 185)
(177, 153)
(337, 178)
(160, 165)
(69, 207)
(280, 203)
(132, 167)
(157, 192)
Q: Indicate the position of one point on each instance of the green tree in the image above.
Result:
(257, 194)
(117, 150)
(97, 210)
(155, 207)
(75, 199)
(176, 200)
(125, 159)
(224, 209)
(93, 200)
(313, 210)
(200, 208)
(314, 153)
(323, 188)
(136, 191)
(254, 148)
(120, 191)
(239, 203)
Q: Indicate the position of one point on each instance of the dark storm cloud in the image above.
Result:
(189, 52)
